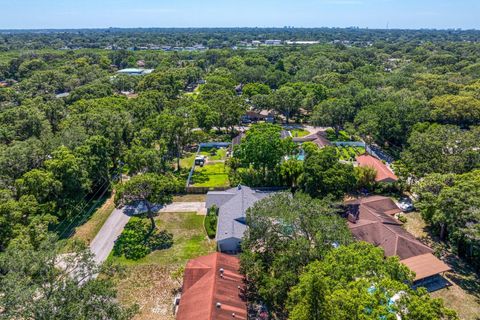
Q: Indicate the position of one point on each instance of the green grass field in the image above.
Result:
(210, 175)
(219, 154)
(299, 133)
(348, 153)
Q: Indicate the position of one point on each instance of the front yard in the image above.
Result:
(152, 281)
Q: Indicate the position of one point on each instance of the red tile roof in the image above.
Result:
(204, 287)
(384, 174)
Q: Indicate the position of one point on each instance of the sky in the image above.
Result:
(408, 14)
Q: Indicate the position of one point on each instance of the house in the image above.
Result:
(273, 42)
(135, 71)
(319, 138)
(232, 206)
(371, 219)
(213, 288)
(384, 173)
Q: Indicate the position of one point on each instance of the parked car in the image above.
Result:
(406, 205)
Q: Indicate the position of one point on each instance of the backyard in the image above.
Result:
(214, 172)
(299, 132)
(153, 281)
(348, 153)
(464, 294)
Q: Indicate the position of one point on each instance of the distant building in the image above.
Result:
(232, 206)
(213, 288)
(62, 95)
(135, 71)
(302, 42)
(273, 42)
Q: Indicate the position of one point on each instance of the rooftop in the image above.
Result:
(384, 174)
(233, 204)
(212, 289)
(371, 220)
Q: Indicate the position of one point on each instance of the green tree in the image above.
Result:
(357, 282)
(262, 148)
(39, 282)
(285, 234)
(323, 174)
(286, 101)
(459, 110)
(333, 112)
(150, 189)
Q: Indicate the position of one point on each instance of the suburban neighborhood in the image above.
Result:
(186, 161)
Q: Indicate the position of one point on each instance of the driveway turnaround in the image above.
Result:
(198, 207)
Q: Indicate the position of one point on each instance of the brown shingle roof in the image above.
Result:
(204, 287)
(384, 174)
(425, 265)
(370, 220)
(318, 138)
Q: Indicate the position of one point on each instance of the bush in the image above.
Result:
(136, 240)
(402, 218)
(210, 222)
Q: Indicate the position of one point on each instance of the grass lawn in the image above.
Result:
(299, 133)
(187, 161)
(348, 153)
(220, 154)
(152, 281)
(464, 294)
(210, 175)
(89, 229)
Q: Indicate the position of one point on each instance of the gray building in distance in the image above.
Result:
(232, 206)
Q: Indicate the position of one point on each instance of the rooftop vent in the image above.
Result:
(218, 305)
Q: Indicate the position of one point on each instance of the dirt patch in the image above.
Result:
(152, 288)
(190, 198)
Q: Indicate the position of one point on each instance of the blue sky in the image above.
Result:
(21, 14)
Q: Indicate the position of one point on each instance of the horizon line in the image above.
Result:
(245, 27)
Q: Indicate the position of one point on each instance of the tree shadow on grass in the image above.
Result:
(463, 275)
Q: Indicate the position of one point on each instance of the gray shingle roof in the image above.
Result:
(233, 204)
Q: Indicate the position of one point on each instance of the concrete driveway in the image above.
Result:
(103, 243)
(198, 207)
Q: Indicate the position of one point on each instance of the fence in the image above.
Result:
(350, 143)
(190, 189)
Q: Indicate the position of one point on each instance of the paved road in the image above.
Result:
(102, 244)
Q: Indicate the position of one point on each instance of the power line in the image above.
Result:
(81, 210)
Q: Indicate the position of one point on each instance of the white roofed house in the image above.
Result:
(232, 207)
(135, 71)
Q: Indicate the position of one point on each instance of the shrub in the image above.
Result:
(137, 240)
(211, 222)
(402, 218)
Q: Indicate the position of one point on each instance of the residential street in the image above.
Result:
(103, 243)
